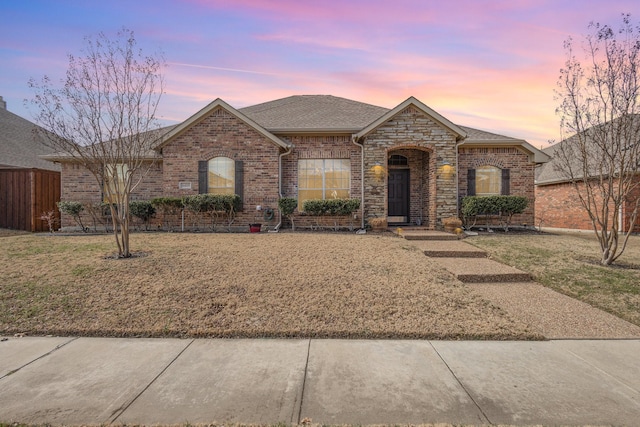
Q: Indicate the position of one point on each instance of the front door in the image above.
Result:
(398, 208)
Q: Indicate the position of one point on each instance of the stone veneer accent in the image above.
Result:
(412, 130)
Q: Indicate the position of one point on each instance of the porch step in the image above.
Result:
(449, 249)
(482, 270)
(427, 235)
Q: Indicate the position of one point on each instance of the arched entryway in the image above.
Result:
(408, 186)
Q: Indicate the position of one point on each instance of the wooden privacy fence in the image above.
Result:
(25, 194)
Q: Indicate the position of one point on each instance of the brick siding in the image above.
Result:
(558, 206)
(222, 134)
(521, 173)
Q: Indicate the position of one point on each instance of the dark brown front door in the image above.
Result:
(398, 209)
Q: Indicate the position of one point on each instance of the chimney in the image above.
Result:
(3, 104)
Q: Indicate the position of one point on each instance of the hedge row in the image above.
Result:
(330, 207)
(474, 207)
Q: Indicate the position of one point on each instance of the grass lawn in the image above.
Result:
(238, 285)
(568, 263)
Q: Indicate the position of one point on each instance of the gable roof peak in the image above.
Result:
(412, 100)
(219, 103)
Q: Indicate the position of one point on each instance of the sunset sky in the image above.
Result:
(492, 65)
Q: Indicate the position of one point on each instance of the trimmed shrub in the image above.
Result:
(214, 206)
(143, 210)
(331, 207)
(74, 209)
(474, 207)
(287, 206)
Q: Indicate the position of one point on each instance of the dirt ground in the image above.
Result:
(239, 285)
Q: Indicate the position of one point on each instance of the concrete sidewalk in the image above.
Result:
(168, 381)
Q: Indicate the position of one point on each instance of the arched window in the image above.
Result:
(221, 176)
(398, 160)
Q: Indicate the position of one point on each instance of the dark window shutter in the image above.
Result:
(240, 181)
(505, 182)
(203, 172)
(471, 182)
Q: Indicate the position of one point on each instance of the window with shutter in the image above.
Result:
(488, 181)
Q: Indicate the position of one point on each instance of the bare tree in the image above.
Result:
(599, 108)
(103, 116)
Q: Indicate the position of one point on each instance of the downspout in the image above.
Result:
(457, 170)
(355, 142)
(289, 150)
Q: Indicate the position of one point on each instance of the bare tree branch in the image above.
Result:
(103, 117)
(599, 113)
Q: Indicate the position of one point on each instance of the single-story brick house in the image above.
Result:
(408, 164)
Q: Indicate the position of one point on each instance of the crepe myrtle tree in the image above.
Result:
(103, 117)
(598, 92)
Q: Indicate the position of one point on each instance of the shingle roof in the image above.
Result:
(313, 112)
(481, 135)
(20, 146)
(556, 172)
(152, 138)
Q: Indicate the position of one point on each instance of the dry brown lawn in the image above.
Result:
(239, 285)
(569, 263)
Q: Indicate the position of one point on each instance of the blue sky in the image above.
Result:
(491, 65)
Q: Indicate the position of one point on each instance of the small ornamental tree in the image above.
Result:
(103, 117)
(599, 113)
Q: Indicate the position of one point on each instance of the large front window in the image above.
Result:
(488, 181)
(323, 179)
(222, 176)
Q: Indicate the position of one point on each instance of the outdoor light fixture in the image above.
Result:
(378, 171)
(447, 169)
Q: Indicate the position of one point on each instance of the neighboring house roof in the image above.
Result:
(314, 113)
(219, 103)
(150, 153)
(554, 173)
(483, 138)
(20, 145)
(460, 134)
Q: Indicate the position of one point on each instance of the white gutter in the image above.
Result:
(289, 150)
(458, 178)
(354, 139)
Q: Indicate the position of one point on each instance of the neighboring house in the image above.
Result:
(29, 185)
(408, 164)
(557, 202)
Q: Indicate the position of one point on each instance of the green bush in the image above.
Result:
(143, 210)
(504, 206)
(331, 207)
(227, 203)
(214, 206)
(74, 209)
(168, 204)
(287, 205)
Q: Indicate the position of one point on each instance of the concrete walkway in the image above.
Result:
(547, 312)
(167, 381)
